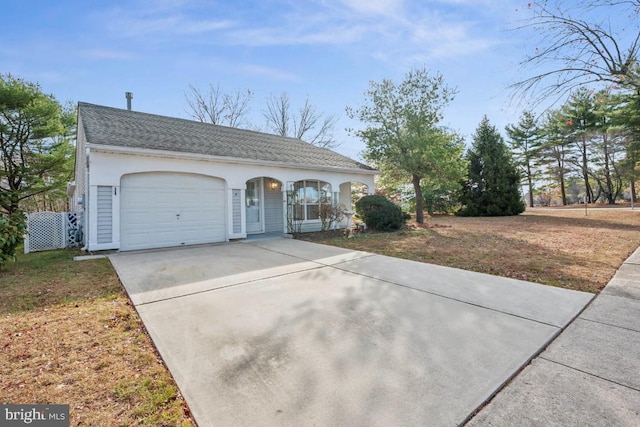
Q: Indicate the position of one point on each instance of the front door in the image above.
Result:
(254, 206)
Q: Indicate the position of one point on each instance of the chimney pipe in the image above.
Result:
(129, 96)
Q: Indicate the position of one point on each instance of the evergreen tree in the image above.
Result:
(580, 120)
(555, 150)
(525, 142)
(607, 146)
(625, 120)
(492, 186)
(32, 140)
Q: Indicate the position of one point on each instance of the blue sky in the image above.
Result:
(328, 50)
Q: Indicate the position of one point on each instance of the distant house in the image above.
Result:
(147, 181)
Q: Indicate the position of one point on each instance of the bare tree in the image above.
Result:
(237, 107)
(581, 45)
(308, 124)
(277, 114)
(218, 108)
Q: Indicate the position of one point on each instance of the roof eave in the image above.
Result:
(222, 159)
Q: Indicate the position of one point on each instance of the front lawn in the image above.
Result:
(70, 336)
(558, 247)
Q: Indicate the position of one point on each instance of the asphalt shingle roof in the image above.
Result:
(123, 128)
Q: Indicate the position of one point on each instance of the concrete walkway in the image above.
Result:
(285, 332)
(588, 376)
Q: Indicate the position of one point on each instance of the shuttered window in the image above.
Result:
(237, 206)
(105, 214)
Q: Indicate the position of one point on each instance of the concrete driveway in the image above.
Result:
(286, 332)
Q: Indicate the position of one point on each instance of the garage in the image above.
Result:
(171, 209)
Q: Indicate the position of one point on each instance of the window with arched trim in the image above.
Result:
(311, 196)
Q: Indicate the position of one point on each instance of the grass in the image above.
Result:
(557, 247)
(70, 336)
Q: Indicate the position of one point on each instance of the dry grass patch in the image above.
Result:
(70, 336)
(558, 247)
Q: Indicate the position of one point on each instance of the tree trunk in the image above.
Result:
(419, 200)
(530, 186)
(610, 193)
(563, 193)
(585, 172)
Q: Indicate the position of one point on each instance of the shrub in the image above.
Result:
(331, 215)
(11, 234)
(380, 213)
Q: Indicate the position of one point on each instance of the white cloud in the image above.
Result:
(159, 18)
(294, 36)
(392, 29)
(105, 54)
(441, 38)
(194, 27)
(375, 7)
(137, 26)
(272, 73)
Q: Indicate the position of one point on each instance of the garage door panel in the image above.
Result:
(171, 209)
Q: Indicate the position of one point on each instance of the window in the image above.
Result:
(310, 197)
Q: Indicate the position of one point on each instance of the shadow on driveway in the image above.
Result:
(284, 332)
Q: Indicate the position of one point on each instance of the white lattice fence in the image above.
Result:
(73, 224)
(50, 230)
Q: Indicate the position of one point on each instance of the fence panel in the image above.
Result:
(50, 230)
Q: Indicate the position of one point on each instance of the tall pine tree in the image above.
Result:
(492, 186)
(525, 140)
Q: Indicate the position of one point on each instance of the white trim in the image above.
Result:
(221, 159)
(260, 188)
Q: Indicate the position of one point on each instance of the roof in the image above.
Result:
(131, 129)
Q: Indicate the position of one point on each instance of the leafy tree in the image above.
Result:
(402, 133)
(31, 149)
(525, 139)
(492, 186)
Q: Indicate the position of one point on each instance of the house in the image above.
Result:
(148, 181)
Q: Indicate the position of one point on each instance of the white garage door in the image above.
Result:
(170, 209)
